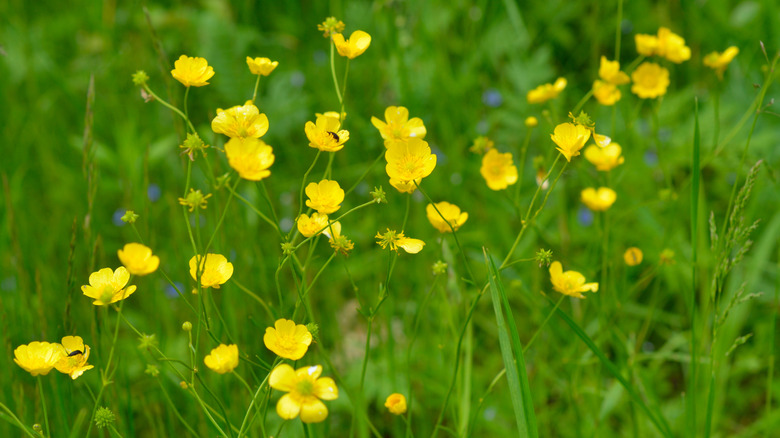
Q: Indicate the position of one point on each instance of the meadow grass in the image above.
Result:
(470, 330)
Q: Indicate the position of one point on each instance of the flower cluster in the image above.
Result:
(68, 357)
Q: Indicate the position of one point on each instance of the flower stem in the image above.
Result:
(43, 405)
(170, 107)
(333, 73)
(254, 94)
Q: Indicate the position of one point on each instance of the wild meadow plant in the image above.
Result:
(297, 382)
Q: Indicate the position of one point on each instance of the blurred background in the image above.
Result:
(70, 169)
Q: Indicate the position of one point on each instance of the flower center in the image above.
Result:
(305, 386)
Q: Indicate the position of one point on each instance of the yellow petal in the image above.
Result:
(283, 378)
(325, 388)
(287, 408)
(313, 410)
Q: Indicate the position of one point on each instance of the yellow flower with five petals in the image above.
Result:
(325, 134)
(250, 157)
(222, 359)
(570, 283)
(287, 340)
(107, 286)
(214, 270)
(353, 47)
(138, 259)
(192, 71)
(570, 139)
(305, 391)
(325, 196)
(451, 216)
(261, 66)
(398, 125)
(241, 121)
(38, 358)
(74, 362)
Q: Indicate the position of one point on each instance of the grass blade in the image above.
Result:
(695, 180)
(512, 354)
(655, 417)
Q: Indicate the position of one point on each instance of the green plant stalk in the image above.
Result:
(773, 328)
(521, 164)
(244, 423)
(16, 420)
(618, 28)
(221, 218)
(365, 174)
(457, 361)
(696, 178)
(333, 72)
(170, 107)
(582, 101)
(43, 406)
(175, 410)
(258, 212)
(254, 93)
(525, 220)
(303, 186)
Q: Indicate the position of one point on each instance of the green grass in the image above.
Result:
(642, 357)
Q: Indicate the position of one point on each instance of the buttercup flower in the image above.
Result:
(396, 404)
(452, 216)
(396, 240)
(570, 283)
(598, 200)
(357, 43)
(646, 45)
(325, 196)
(409, 160)
(74, 361)
(606, 158)
(305, 389)
(667, 44)
(570, 138)
(38, 358)
(498, 170)
(325, 134)
(531, 122)
(610, 72)
(310, 226)
(650, 80)
(107, 286)
(339, 242)
(672, 46)
(138, 259)
(243, 121)
(250, 157)
(605, 93)
(192, 72)
(405, 186)
(216, 270)
(545, 92)
(398, 125)
(719, 61)
(287, 339)
(222, 359)
(633, 256)
(261, 66)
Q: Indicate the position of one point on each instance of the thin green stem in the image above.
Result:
(17, 420)
(221, 219)
(582, 101)
(245, 423)
(43, 406)
(365, 174)
(254, 93)
(333, 73)
(618, 29)
(170, 107)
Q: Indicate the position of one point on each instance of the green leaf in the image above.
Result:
(512, 354)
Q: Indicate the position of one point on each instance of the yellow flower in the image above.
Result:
(325, 135)
(545, 92)
(138, 259)
(242, 121)
(74, 362)
(261, 66)
(606, 158)
(396, 404)
(357, 43)
(672, 46)
(719, 61)
(607, 94)
(531, 122)
(287, 340)
(409, 160)
(498, 170)
(405, 186)
(395, 240)
(38, 358)
(216, 270)
(570, 138)
(650, 80)
(610, 72)
(192, 72)
(310, 226)
(325, 196)
(222, 359)
(398, 124)
(305, 389)
(633, 256)
(601, 140)
(250, 157)
(107, 286)
(452, 216)
(570, 283)
(598, 200)
(646, 45)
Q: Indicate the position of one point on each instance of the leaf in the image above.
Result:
(512, 354)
